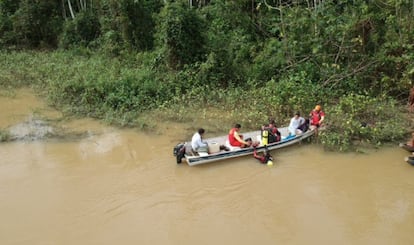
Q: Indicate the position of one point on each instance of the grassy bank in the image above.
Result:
(131, 93)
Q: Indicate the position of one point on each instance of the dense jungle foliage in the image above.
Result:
(212, 63)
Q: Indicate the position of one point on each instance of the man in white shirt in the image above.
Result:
(197, 143)
(295, 122)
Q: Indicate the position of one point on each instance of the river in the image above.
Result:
(122, 186)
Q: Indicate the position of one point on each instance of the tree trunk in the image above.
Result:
(64, 9)
(71, 10)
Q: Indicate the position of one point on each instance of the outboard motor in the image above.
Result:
(179, 151)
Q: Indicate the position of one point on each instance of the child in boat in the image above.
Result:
(265, 158)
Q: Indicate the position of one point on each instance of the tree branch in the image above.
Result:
(339, 77)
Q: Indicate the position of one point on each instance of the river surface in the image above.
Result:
(115, 186)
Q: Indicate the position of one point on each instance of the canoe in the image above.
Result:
(407, 147)
(410, 160)
(219, 148)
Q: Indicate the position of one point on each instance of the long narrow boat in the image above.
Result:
(219, 148)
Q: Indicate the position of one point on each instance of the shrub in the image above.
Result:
(360, 120)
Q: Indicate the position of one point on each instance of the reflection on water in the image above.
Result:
(123, 187)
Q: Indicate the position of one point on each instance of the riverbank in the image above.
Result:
(46, 123)
(125, 93)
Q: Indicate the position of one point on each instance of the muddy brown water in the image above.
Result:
(123, 187)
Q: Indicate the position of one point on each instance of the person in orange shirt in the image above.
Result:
(236, 139)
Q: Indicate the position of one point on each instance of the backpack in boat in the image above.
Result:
(179, 151)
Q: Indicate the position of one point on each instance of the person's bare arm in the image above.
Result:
(239, 139)
(320, 121)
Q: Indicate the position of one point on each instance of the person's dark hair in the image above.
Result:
(237, 125)
(297, 113)
(272, 121)
(201, 131)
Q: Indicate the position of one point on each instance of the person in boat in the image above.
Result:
(236, 139)
(264, 158)
(197, 143)
(295, 124)
(317, 116)
(274, 134)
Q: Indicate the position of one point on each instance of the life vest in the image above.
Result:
(315, 117)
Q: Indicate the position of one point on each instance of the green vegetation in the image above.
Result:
(214, 63)
(360, 120)
(4, 135)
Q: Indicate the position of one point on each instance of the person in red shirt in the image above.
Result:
(275, 136)
(236, 139)
(316, 117)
